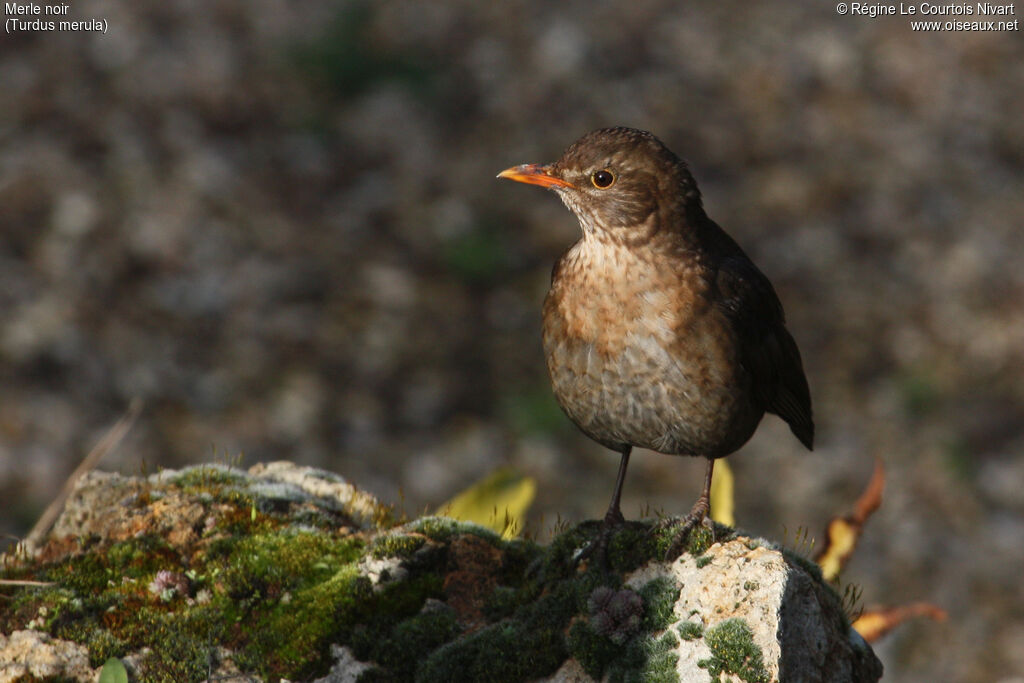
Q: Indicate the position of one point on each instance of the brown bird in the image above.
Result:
(659, 331)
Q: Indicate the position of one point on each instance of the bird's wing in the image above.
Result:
(767, 349)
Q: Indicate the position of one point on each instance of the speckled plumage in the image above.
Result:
(610, 331)
(659, 331)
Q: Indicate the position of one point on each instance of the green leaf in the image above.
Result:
(113, 671)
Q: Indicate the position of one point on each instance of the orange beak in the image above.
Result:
(535, 174)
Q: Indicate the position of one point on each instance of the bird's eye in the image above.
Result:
(603, 179)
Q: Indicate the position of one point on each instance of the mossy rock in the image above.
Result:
(225, 572)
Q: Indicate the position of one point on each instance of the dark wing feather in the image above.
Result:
(767, 349)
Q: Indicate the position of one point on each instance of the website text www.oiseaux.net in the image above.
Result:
(926, 16)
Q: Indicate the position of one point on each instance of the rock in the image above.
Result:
(292, 573)
(34, 654)
(346, 668)
(113, 506)
(745, 594)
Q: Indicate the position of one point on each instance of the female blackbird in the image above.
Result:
(659, 331)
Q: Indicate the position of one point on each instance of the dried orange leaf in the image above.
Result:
(840, 540)
(877, 621)
(872, 496)
(842, 533)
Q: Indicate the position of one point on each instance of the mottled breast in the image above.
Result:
(639, 355)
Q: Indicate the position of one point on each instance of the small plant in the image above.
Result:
(802, 542)
(851, 602)
(615, 614)
(113, 671)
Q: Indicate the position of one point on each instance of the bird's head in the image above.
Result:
(620, 182)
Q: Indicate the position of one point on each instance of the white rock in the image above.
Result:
(37, 654)
(795, 621)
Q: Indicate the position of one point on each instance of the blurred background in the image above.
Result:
(278, 224)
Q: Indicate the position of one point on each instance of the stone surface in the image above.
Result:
(104, 502)
(328, 489)
(34, 654)
(794, 621)
(346, 667)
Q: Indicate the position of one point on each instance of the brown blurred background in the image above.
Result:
(278, 224)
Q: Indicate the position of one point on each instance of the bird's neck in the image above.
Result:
(672, 230)
(605, 255)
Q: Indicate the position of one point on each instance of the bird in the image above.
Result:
(659, 332)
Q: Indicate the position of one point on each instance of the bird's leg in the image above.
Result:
(699, 513)
(702, 508)
(614, 515)
(612, 518)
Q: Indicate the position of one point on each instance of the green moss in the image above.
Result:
(560, 560)
(259, 586)
(396, 545)
(287, 633)
(667, 543)
(807, 565)
(442, 529)
(208, 478)
(269, 565)
(412, 640)
(184, 642)
(373, 618)
(700, 540)
(529, 645)
(733, 651)
(663, 541)
(506, 651)
(751, 585)
(519, 556)
(644, 658)
(691, 630)
(659, 596)
(502, 602)
(103, 645)
(594, 652)
(649, 660)
(92, 572)
(631, 546)
(703, 561)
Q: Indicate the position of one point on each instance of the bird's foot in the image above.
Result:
(597, 549)
(682, 529)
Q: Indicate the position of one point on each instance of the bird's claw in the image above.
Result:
(597, 549)
(699, 515)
